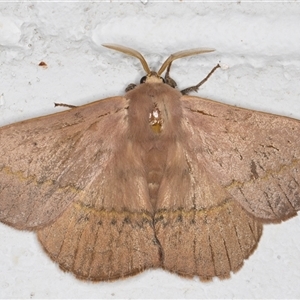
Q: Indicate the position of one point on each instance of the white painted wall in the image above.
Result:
(260, 43)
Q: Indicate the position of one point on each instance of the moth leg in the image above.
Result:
(64, 105)
(196, 87)
(130, 87)
(168, 80)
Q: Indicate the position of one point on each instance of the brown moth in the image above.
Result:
(151, 179)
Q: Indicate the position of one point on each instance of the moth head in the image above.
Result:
(154, 77)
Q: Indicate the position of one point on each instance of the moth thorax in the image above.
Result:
(155, 119)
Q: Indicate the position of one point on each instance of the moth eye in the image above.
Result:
(143, 79)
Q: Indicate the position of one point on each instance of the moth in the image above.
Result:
(151, 179)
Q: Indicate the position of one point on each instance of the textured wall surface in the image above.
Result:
(258, 42)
